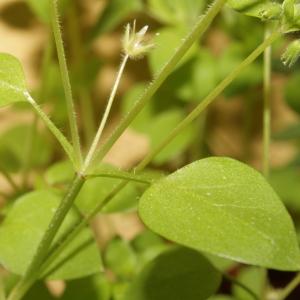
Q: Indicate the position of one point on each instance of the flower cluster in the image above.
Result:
(135, 44)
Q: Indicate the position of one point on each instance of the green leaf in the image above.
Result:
(96, 189)
(157, 125)
(285, 182)
(147, 246)
(223, 207)
(263, 9)
(179, 273)
(39, 291)
(255, 279)
(23, 228)
(120, 258)
(60, 172)
(114, 13)
(291, 92)
(12, 80)
(222, 297)
(176, 12)
(292, 132)
(166, 43)
(94, 287)
(15, 156)
(42, 10)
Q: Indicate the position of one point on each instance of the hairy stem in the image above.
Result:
(90, 156)
(42, 93)
(267, 106)
(195, 113)
(197, 31)
(55, 131)
(32, 272)
(66, 82)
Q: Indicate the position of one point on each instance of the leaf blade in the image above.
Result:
(225, 208)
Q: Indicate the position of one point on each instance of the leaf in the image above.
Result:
(289, 133)
(263, 9)
(179, 273)
(12, 80)
(147, 246)
(95, 190)
(114, 13)
(176, 12)
(15, 154)
(120, 258)
(255, 279)
(172, 37)
(291, 92)
(60, 172)
(285, 182)
(42, 9)
(223, 207)
(23, 228)
(94, 287)
(158, 126)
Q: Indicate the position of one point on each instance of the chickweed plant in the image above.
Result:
(216, 213)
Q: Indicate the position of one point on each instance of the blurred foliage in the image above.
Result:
(231, 38)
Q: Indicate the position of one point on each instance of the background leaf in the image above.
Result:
(114, 13)
(226, 208)
(179, 273)
(24, 227)
(41, 8)
(12, 80)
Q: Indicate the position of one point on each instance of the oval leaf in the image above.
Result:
(226, 208)
(179, 273)
(22, 230)
(12, 80)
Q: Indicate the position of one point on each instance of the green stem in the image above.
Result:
(203, 104)
(197, 31)
(128, 177)
(289, 288)
(91, 154)
(66, 82)
(47, 55)
(55, 131)
(32, 272)
(267, 106)
(212, 95)
(241, 285)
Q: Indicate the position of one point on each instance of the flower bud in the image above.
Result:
(291, 54)
(134, 43)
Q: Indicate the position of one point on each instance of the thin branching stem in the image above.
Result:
(66, 82)
(51, 126)
(34, 269)
(267, 105)
(289, 288)
(197, 31)
(194, 114)
(90, 156)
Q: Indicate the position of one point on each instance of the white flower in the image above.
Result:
(135, 44)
